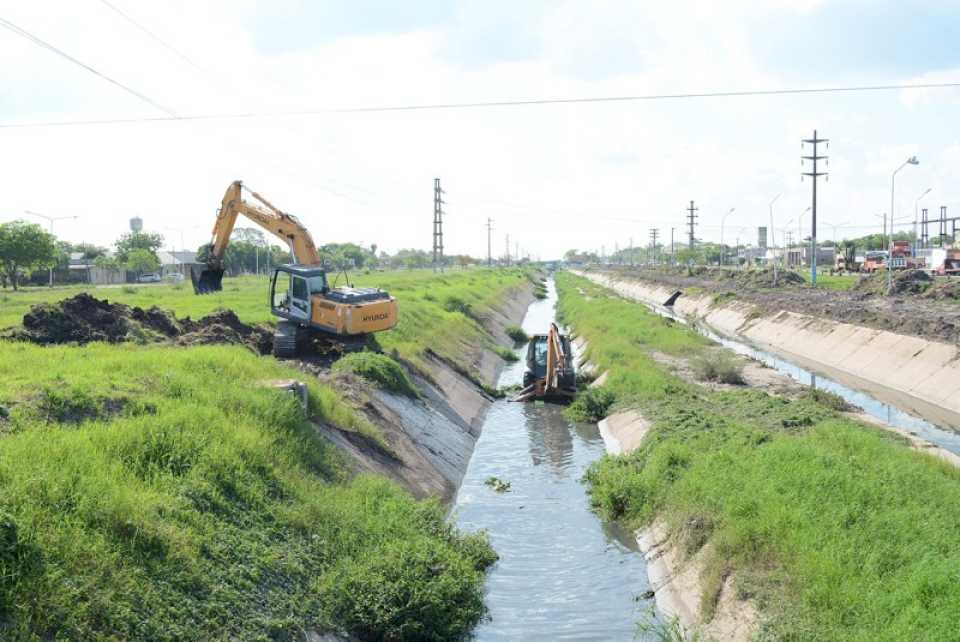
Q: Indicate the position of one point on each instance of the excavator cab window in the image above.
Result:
(299, 296)
(281, 291)
(318, 284)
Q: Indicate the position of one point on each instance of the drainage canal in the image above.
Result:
(563, 573)
(945, 436)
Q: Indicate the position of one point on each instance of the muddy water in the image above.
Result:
(563, 574)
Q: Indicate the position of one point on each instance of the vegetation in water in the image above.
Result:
(506, 354)
(591, 404)
(498, 484)
(378, 369)
(834, 528)
(517, 333)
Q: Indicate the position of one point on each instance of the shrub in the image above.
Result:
(406, 590)
(128, 289)
(516, 333)
(719, 366)
(378, 369)
(591, 405)
(456, 304)
(828, 400)
(506, 354)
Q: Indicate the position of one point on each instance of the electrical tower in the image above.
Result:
(815, 175)
(438, 203)
(673, 250)
(692, 222)
(654, 233)
(489, 230)
(508, 250)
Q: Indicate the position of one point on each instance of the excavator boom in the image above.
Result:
(282, 225)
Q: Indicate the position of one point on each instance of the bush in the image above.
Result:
(828, 400)
(516, 333)
(719, 366)
(456, 304)
(591, 405)
(506, 354)
(406, 590)
(128, 289)
(378, 369)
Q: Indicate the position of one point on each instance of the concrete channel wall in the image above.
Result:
(913, 373)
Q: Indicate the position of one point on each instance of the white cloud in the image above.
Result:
(553, 177)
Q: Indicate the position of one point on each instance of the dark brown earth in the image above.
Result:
(83, 319)
(919, 306)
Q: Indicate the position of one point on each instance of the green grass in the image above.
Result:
(440, 312)
(160, 493)
(836, 529)
(378, 369)
(831, 281)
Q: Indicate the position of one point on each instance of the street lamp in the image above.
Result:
(893, 181)
(51, 220)
(916, 210)
(722, 222)
(770, 241)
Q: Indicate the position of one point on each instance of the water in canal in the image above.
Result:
(563, 573)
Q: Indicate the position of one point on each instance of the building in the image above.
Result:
(176, 262)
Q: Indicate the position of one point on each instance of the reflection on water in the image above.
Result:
(563, 574)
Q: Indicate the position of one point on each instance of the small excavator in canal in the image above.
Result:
(550, 372)
(299, 293)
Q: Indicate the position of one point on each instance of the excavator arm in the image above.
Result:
(282, 225)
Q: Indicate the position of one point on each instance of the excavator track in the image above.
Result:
(288, 340)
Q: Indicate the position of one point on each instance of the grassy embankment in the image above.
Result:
(837, 530)
(437, 311)
(161, 493)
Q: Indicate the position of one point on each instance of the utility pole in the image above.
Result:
(691, 221)
(673, 251)
(437, 226)
(813, 219)
(631, 251)
(654, 233)
(508, 250)
(489, 230)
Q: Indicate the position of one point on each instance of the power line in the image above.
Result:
(154, 36)
(489, 104)
(46, 45)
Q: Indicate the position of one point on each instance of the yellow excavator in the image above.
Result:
(550, 372)
(299, 293)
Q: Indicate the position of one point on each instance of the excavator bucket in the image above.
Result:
(207, 280)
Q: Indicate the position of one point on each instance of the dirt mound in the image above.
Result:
(83, 318)
(904, 282)
(949, 291)
(764, 278)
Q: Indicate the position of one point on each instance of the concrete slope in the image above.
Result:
(915, 374)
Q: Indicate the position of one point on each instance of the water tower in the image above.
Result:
(136, 224)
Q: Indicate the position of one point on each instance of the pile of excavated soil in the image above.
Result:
(949, 291)
(83, 318)
(903, 282)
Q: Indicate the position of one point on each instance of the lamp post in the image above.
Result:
(916, 211)
(770, 241)
(722, 222)
(51, 220)
(893, 181)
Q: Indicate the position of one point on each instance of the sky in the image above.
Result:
(553, 177)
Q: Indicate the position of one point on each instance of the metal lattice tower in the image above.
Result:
(438, 204)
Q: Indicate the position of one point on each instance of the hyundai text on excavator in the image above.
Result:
(550, 372)
(299, 293)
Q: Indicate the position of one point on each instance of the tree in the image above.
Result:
(105, 262)
(149, 241)
(24, 246)
(140, 260)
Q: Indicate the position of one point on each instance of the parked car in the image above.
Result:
(149, 277)
(174, 277)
